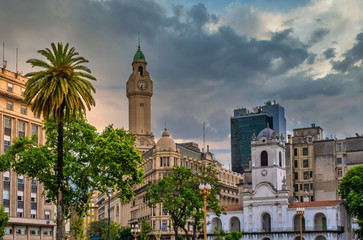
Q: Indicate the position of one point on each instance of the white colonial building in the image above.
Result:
(268, 213)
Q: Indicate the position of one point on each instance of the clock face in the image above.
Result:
(264, 172)
(142, 85)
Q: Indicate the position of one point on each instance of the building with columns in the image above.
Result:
(268, 213)
(31, 215)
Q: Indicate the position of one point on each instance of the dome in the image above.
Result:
(267, 133)
(166, 143)
(139, 55)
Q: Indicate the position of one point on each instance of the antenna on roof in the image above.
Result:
(4, 62)
(203, 136)
(16, 66)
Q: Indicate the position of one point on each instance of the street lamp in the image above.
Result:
(205, 191)
(109, 214)
(135, 230)
(300, 212)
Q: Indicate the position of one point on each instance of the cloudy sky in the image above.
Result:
(207, 58)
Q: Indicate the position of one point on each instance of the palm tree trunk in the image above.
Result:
(60, 178)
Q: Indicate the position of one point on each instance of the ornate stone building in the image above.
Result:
(31, 216)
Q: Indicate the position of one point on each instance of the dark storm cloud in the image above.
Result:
(352, 56)
(329, 53)
(318, 35)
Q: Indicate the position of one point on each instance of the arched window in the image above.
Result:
(297, 223)
(320, 221)
(234, 224)
(266, 222)
(264, 159)
(141, 71)
(280, 159)
(216, 224)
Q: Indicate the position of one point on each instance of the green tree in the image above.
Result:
(180, 197)
(145, 230)
(93, 162)
(351, 190)
(222, 235)
(4, 218)
(61, 88)
(100, 229)
(125, 234)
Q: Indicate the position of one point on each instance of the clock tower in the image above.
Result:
(268, 159)
(139, 89)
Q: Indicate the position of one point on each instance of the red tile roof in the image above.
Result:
(233, 208)
(315, 204)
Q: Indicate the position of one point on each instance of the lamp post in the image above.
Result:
(109, 214)
(135, 230)
(300, 212)
(205, 191)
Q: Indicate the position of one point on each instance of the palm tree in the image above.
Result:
(61, 88)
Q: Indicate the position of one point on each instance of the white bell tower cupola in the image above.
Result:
(268, 159)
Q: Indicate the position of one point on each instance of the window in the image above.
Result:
(295, 151)
(295, 163)
(47, 232)
(280, 159)
(141, 71)
(20, 179)
(9, 106)
(47, 214)
(306, 163)
(306, 187)
(141, 143)
(340, 173)
(345, 158)
(296, 174)
(339, 147)
(6, 194)
(311, 174)
(305, 151)
(306, 175)
(35, 131)
(23, 110)
(8, 230)
(164, 225)
(301, 187)
(19, 213)
(6, 176)
(33, 213)
(21, 231)
(165, 211)
(20, 198)
(34, 232)
(22, 91)
(21, 126)
(296, 187)
(264, 159)
(339, 160)
(154, 225)
(36, 115)
(311, 186)
(10, 87)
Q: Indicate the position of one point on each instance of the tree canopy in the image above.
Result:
(351, 190)
(99, 229)
(93, 161)
(179, 195)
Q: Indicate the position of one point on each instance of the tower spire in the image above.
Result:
(138, 46)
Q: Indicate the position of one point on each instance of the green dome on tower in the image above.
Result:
(139, 55)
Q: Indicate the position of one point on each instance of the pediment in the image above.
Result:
(264, 190)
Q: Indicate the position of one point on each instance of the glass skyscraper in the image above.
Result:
(245, 123)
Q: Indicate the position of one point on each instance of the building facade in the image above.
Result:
(267, 212)
(31, 215)
(315, 166)
(245, 123)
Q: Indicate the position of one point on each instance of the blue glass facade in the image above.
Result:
(244, 124)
